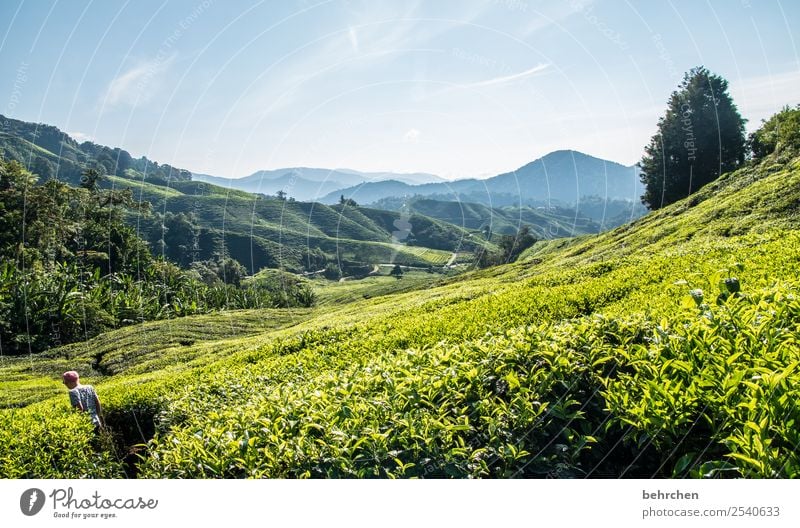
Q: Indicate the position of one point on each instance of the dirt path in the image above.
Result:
(450, 262)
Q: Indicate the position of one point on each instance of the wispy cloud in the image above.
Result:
(509, 78)
(80, 137)
(761, 96)
(376, 33)
(138, 84)
(353, 39)
(412, 136)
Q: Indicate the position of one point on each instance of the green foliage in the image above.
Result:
(700, 137)
(74, 268)
(46, 147)
(546, 220)
(259, 231)
(511, 247)
(349, 202)
(179, 238)
(591, 397)
(90, 180)
(220, 271)
(780, 133)
(288, 289)
(332, 272)
(72, 450)
(374, 286)
(718, 384)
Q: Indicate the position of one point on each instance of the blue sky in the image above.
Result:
(456, 88)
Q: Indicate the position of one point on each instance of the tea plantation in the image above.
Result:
(668, 347)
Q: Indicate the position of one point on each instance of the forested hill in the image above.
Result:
(50, 153)
(93, 239)
(191, 220)
(590, 216)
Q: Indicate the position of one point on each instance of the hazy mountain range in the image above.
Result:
(310, 184)
(561, 177)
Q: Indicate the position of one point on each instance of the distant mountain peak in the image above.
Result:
(564, 176)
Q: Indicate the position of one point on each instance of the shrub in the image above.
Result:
(779, 133)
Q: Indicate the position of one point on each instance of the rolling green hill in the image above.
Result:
(507, 220)
(667, 347)
(51, 153)
(261, 231)
(563, 192)
(257, 230)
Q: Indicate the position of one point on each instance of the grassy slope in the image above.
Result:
(18, 148)
(344, 233)
(505, 372)
(504, 220)
(339, 293)
(136, 349)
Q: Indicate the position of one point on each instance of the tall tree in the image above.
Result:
(700, 137)
(180, 235)
(90, 180)
(513, 246)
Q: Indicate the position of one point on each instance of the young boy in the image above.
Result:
(84, 397)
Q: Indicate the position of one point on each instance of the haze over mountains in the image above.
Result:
(310, 184)
(563, 177)
(575, 183)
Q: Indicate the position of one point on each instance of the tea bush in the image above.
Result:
(696, 393)
(50, 441)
